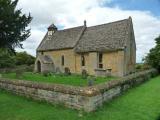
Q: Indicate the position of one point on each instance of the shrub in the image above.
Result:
(138, 66)
(146, 67)
(153, 57)
(143, 66)
(29, 68)
(158, 118)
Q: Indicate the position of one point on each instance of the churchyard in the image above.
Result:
(74, 79)
(139, 103)
(81, 92)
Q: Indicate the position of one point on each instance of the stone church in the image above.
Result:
(100, 50)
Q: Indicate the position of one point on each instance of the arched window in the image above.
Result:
(62, 60)
(82, 60)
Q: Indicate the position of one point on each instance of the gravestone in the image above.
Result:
(84, 74)
(91, 80)
(67, 71)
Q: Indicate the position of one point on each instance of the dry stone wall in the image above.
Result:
(81, 98)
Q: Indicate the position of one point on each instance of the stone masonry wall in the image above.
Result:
(81, 98)
(111, 60)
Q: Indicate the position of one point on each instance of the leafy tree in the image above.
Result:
(6, 59)
(153, 57)
(13, 25)
(11, 60)
(24, 58)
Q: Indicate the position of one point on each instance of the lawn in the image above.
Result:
(140, 103)
(73, 79)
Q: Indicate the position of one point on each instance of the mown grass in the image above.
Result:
(73, 79)
(140, 103)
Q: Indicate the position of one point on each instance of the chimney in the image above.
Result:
(85, 23)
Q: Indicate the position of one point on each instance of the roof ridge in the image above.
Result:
(93, 25)
(107, 23)
(70, 28)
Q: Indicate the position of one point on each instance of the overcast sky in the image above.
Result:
(69, 13)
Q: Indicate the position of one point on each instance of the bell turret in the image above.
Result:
(52, 29)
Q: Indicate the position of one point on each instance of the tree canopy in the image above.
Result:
(153, 57)
(13, 25)
(22, 58)
(8, 60)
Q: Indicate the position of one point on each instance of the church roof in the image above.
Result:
(61, 39)
(105, 37)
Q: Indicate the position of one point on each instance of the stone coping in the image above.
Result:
(84, 91)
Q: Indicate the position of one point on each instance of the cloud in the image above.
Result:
(73, 12)
(32, 42)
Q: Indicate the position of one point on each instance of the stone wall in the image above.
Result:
(130, 51)
(78, 63)
(43, 66)
(111, 60)
(69, 59)
(81, 98)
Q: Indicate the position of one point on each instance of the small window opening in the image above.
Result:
(82, 60)
(100, 60)
(62, 59)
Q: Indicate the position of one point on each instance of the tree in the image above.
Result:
(22, 58)
(13, 25)
(6, 59)
(153, 57)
